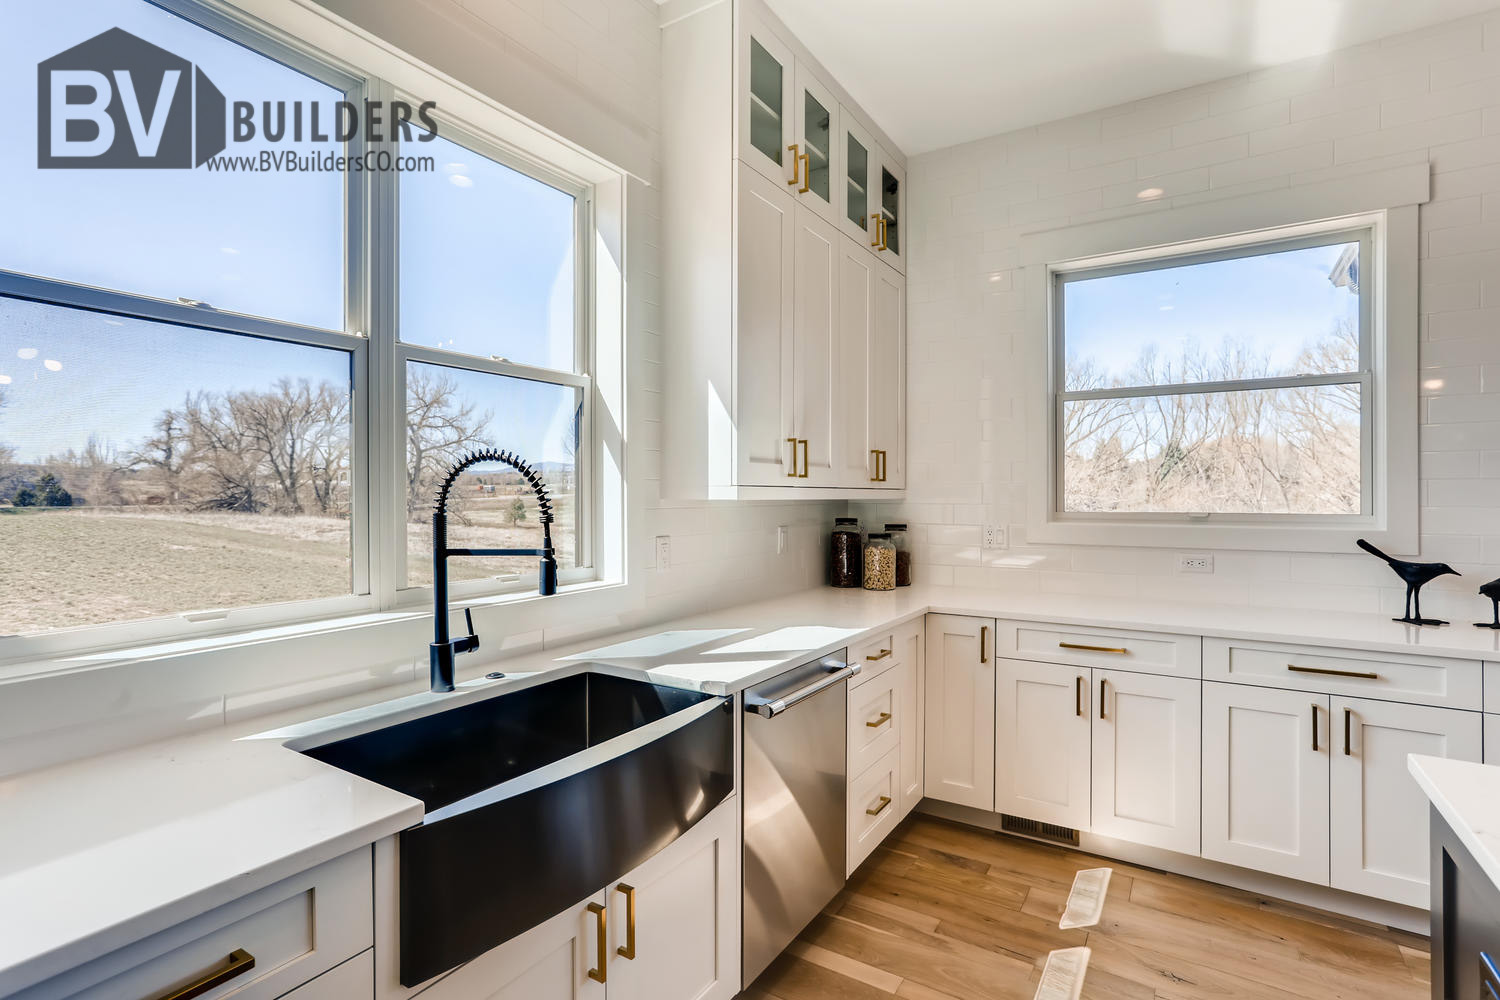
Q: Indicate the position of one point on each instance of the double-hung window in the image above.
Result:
(226, 396)
(1232, 384)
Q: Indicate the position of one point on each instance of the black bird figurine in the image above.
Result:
(1492, 591)
(1414, 575)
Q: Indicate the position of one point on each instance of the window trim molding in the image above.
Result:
(1386, 203)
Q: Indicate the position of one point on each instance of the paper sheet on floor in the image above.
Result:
(1062, 979)
(1086, 900)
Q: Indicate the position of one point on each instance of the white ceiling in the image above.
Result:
(934, 73)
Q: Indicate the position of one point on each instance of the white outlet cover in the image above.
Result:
(663, 553)
(995, 536)
(781, 536)
(1195, 562)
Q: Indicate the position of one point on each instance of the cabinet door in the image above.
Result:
(861, 169)
(858, 270)
(890, 198)
(815, 294)
(886, 416)
(960, 744)
(1265, 780)
(350, 981)
(1147, 759)
(763, 334)
(817, 134)
(552, 961)
(911, 702)
(767, 88)
(1492, 739)
(1378, 823)
(1042, 738)
(686, 920)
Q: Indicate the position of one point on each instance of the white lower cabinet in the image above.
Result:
(355, 978)
(885, 747)
(910, 699)
(1492, 739)
(685, 938)
(1265, 780)
(960, 715)
(1043, 742)
(1146, 759)
(1378, 815)
(873, 811)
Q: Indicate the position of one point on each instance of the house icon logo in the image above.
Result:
(119, 102)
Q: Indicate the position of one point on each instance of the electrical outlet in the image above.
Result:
(781, 535)
(995, 536)
(663, 553)
(1195, 562)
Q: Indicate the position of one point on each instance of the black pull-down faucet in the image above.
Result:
(444, 649)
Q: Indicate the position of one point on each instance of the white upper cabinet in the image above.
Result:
(784, 289)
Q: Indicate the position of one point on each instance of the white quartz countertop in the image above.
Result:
(103, 851)
(1467, 796)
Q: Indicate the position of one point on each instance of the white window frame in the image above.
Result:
(303, 38)
(1382, 207)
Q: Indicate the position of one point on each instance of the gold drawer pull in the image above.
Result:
(1093, 649)
(883, 718)
(1364, 674)
(627, 950)
(601, 920)
(240, 962)
(885, 800)
(880, 656)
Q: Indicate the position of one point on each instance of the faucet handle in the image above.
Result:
(469, 620)
(470, 642)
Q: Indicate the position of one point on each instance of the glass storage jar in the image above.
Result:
(903, 553)
(844, 553)
(880, 562)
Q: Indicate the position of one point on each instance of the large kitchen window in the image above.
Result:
(1227, 384)
(225, 399)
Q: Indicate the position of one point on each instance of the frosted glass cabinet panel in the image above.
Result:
(861, 161)
(820, 157)
(768, 128)
(891, 205)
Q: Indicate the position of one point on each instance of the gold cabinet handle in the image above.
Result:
(627, 950)
(806, 174)
(1093, 649)
(793, 443)
(803, 473)
(884, 233)
(885, 800)
(1102, 682)
(793, 148)
(984, 638)
(880, 720)
(601, 921)
(1347, 714)
(875, 460)
(240, 962)
(1329, 672)
(880, 655)
(875, 221)
(1078, 696)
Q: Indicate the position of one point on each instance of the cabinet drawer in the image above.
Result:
(873, 809)
(295, 930)
(874, 656)
(1422, 680)
(1113, 649)
(874, 721)
(350, 981)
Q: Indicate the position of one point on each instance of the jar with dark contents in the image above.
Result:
(903, 553)
(845, 553)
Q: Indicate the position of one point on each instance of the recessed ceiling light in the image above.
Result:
(1150, 193)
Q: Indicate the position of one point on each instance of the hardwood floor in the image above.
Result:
(947, 912)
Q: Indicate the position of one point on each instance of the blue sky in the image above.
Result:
(486, 257)
(1276, 303)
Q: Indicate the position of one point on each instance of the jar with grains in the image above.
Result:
(880, 562)
(843, 553)
(903, 553)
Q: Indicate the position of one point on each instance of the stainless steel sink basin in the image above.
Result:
(537, 799)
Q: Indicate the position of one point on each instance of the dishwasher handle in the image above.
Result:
(773, 708)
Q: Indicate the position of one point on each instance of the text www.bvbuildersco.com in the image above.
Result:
(288, 161)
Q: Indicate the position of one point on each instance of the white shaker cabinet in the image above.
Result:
(1147, 759)
(767, 454)
(1377, 814)
(911, 695)
(818, 247)
(871, 379)
(767, 114)
(552, 961)
(1265, 780)
(1043, 742)
(817, 116)
(960, 744)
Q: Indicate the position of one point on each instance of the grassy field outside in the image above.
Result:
(69, 567)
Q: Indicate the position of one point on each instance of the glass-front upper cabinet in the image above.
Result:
(820, 158)
(891, 207)
(859, 218)
(768, 113)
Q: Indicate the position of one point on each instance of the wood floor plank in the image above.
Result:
(947, 912)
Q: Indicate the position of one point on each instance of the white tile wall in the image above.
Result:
(1429, 95)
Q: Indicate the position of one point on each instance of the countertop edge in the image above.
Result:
(1427, 771)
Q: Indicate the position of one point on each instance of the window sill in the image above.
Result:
(1265, 537)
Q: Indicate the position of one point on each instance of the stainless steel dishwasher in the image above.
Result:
(795, 786)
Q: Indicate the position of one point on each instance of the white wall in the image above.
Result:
(589, 71)
(1429, 95)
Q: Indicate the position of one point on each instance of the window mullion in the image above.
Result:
(384, 457)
